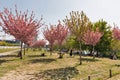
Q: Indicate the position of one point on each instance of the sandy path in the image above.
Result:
(7, 53)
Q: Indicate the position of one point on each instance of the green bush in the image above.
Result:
(3, 43)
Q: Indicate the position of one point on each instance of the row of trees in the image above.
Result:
(78, 31)
(84, 33)
(83, 30)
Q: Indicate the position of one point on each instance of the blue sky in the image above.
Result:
(54, 10)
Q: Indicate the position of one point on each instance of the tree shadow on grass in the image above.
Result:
(118, 65)
(3, 61)
(5, 56)
(90, 59)
(57, 74)
(32, 56)
(42, 60)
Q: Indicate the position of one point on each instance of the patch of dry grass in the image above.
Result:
(53, 68)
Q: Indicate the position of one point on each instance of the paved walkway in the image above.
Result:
(7, 53)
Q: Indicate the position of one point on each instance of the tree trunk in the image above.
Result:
(93, 52)
(51, 49)
(21, 51)
(27, 48)
(60, 53)
(71, 52)
(80, 54)
(24, 49)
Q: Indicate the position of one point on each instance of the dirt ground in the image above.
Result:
(20, 74)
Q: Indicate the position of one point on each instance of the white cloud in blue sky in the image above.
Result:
(54, 10)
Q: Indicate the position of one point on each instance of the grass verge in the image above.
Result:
(50, 67)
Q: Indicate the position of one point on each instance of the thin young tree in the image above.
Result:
(77, 24)
(61, 34)
(20, 24)
(92, 38)
(50, 36)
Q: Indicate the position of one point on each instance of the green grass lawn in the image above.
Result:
(2, 50)
(53, 68)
